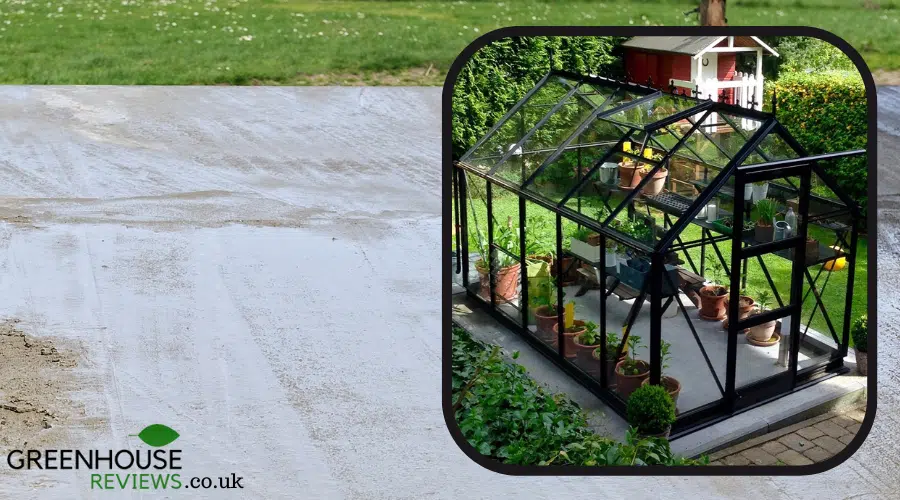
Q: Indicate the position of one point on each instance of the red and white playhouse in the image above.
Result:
(705, 64)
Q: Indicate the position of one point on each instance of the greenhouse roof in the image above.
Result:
(603, 120)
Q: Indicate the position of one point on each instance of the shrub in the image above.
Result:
(651, 409)
(827, 112)
(860, 333)
(507, 416)
(501, 73)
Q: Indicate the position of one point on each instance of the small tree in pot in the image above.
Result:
(714, 295)
(860, 333)
(631, 372)
(651, 411)
(763, 332)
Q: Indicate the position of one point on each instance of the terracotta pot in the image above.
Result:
(763, 332)
(626, 384)
(862, 360)
(584, 358)
(546, 323)
(506, 288)
(569, 349)
(764, 234)
(673, 387)
(712, 306)
(656, 184)
(610, 366)
(627, 170)
(745, 307)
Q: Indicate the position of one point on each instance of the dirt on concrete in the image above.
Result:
(35, 376)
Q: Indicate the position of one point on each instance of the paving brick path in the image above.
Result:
(804, 443)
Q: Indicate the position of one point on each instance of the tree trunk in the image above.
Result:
(712, 13)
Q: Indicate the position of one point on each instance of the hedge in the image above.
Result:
(827, 112)
(499, 74)
(508, 417)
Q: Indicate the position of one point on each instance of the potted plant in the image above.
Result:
(569, 334)
(651, 411)
(723, 224)
(631, 372)
(585, 244)
(584, 347)
(765, 221)
(671, 384)
(762, 333)
(506, 267)
(745, 307)
(860, 333)
(656, 184)
(628, 170)
(611, 248)
(760, 191)
(714, 295)
(612, 345)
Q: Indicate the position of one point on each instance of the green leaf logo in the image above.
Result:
(157, 435)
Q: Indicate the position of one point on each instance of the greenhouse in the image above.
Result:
(612, 225)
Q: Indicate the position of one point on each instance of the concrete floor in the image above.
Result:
(266, 264)
(754, 363)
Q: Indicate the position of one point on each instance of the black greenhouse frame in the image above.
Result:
(605, 116)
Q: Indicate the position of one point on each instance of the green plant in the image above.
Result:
(540, 237)
(860, 333)
(765, 212)
(632, 365)
(665, 353)
(826, 111)
(749, 225)
(763, 299)
(650, 409)
(602, 214)
(718, 274)
(612, 344)
(581, 233)
(596, 450)
(507, 416)
(506, 237)
(590, 336)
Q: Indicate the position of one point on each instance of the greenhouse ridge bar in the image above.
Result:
(591, 189)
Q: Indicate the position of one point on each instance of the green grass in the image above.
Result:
(375, 42)
(833, 297)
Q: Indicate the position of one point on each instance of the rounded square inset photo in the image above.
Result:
(659, 247)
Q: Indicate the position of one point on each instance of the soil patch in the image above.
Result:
(35, 376)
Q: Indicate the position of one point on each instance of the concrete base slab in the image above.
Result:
(844, 390)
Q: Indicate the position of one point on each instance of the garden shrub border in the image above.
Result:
(507, 416)
(827, 111)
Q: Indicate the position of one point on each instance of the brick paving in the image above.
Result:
(805, 443)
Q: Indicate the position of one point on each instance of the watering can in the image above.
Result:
(783, 230)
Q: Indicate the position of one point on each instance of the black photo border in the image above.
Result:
(656, 470)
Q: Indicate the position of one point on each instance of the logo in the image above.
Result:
(137, 469)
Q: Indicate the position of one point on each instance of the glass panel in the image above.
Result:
(775, 148)
(507, 270)
(541, 273)
(545, 140)
(596, 94)
(654, 110)
(523, 120)
(558, 178)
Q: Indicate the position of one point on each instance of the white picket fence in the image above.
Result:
(748, 93)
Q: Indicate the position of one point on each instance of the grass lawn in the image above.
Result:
(834, 294)
(327, 42)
